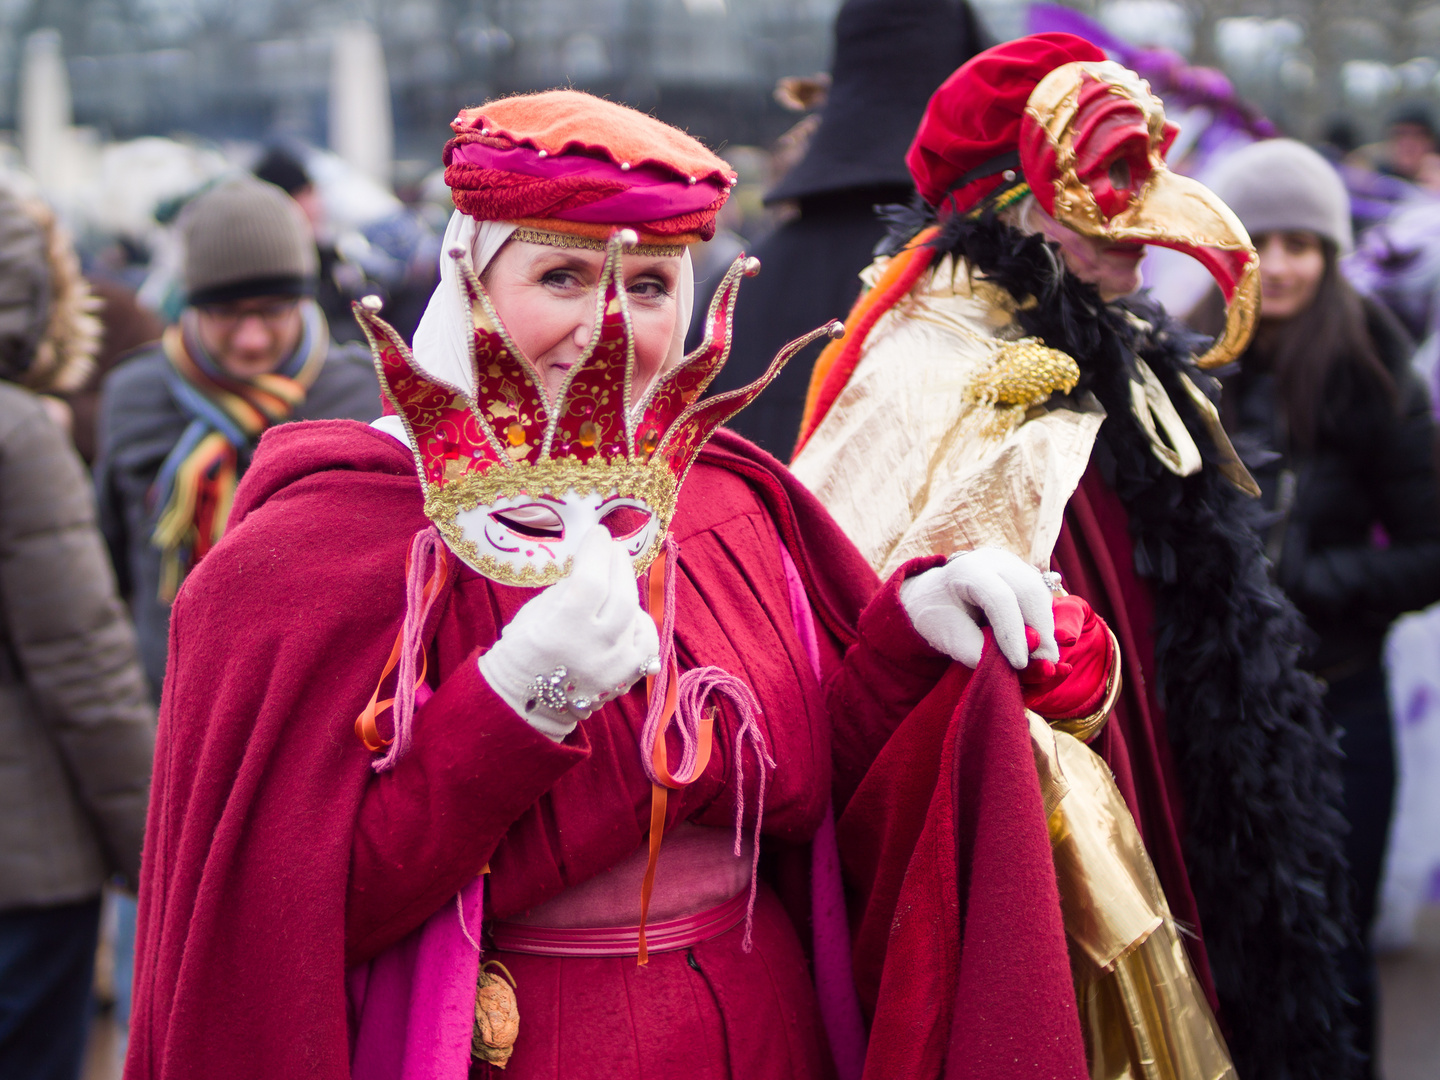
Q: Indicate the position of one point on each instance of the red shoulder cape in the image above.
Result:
(277, 639)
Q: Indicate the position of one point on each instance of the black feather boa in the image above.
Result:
(1259, 766)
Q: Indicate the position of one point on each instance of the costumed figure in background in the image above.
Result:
(1000, 386)
(534, 713)
(890, 55)
(1397, 264)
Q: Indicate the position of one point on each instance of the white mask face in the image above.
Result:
(539, 535)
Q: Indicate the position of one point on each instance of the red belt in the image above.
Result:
(665, 936)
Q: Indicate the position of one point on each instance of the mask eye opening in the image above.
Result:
(532, 520)
(625, 522)
(1120, 175)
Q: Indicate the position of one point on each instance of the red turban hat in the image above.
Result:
(571, 162)
(971, 129)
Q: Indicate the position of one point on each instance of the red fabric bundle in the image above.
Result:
(975, 115)
(1075, 687)
(960, 949)
(576, 163)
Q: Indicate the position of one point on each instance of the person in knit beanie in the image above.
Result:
(246, 239)
(179, 421)
(75, 719)
(1336, 427)
(1281, 185)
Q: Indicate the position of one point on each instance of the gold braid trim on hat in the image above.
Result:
(587, 243)
(653, 485)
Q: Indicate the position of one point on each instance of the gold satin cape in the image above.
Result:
(911, 461)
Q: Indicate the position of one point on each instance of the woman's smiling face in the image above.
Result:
(545, 296)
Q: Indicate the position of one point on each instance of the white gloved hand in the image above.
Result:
(582, 642)
(946, 606)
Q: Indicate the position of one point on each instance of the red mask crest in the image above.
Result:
(1092, 145)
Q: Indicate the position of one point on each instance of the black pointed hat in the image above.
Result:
(890, 56)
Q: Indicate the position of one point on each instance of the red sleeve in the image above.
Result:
(429, 825)
(885, 674)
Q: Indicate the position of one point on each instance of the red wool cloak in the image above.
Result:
(960, 951)
(275, 857)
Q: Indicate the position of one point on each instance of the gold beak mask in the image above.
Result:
(1093, 145)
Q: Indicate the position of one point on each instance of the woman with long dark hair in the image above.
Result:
(1336, 428)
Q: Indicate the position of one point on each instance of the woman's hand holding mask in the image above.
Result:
(582, 642)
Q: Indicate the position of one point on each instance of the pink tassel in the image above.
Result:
(651, 728)
(426, 551)
(694, 688)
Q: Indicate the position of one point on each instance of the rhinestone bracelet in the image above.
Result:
(553, 692)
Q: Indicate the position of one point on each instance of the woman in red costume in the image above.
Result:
(326, 880)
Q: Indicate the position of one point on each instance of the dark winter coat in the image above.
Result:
(809, 274)
(77, 728)
(1356, 521)
(140, 423)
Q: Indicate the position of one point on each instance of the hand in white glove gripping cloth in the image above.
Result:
(947, 604)
(582, 642)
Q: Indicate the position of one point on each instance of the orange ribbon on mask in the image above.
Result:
(367, 723)
(659, 756)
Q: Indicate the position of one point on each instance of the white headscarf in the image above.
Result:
(442, 340)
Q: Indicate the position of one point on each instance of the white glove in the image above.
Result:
(946, 606)
(582, 642)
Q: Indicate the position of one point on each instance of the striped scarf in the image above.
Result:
(196, 484)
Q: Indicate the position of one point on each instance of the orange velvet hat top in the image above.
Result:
(571, 162)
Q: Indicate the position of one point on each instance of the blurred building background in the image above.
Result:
(82, 80)
(263, 68)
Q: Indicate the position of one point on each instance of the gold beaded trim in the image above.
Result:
(652, 485)
(1002, 201)
(589, 243)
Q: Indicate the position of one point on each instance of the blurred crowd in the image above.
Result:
(137, 375)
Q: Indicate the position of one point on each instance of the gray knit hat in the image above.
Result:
(1280, 185)
(246, 238)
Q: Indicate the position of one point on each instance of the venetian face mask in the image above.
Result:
(1093, 146)
(514, 481)
(520, 531)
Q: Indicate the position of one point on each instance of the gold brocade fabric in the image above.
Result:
(909, 459)
(1141, 1009)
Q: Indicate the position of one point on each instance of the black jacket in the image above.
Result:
(809, 274)
(1356, 521)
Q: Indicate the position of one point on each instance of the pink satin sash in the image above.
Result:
(830, 928)
(664, 936)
